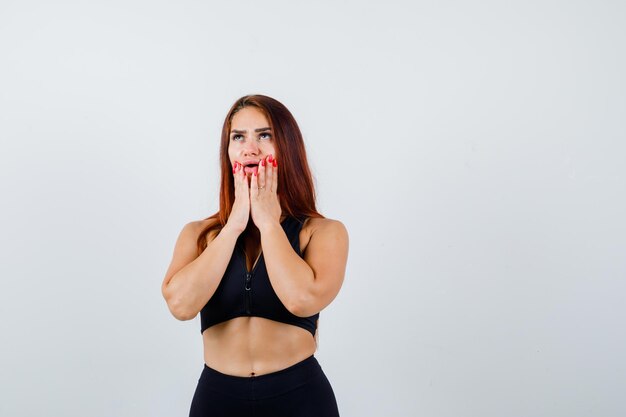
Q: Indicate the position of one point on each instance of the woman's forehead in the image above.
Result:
(249, 118)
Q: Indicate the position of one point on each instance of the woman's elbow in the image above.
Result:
(181, 313)
(178, 309)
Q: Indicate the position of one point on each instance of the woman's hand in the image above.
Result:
(240, 213)
(264, 203)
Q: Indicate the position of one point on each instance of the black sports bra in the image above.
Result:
(250, 293)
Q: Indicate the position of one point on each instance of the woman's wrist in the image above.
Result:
(268, 227)
(229, 229)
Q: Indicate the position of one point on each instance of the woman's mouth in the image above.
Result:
(252, 168)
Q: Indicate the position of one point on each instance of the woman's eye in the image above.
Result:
(266, 135)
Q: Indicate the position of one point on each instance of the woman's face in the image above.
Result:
(251, 139)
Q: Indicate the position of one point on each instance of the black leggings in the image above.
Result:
(301, 390)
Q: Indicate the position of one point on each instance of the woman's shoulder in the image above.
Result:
(204, 223)
(315, 224)
(328, 234)
(199, 225)
(196, 227)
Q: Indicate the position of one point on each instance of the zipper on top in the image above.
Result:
(247, 286)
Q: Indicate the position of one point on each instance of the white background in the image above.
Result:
(474, 151)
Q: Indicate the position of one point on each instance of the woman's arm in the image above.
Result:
(191, 280)
(306, 285)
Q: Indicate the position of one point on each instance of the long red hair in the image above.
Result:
(295, 190)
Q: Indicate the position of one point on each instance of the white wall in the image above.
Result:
(474, 150)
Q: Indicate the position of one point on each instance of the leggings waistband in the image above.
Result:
(262, 386)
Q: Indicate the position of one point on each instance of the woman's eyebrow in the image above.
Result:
(256, 130)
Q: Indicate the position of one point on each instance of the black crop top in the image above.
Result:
(243, 293)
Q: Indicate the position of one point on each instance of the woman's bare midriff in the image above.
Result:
(253, 346)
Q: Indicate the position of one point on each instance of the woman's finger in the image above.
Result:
(268, 173)
(254, 186)
(262, 173)
(274, 175)
(241, 180)
(236, 176)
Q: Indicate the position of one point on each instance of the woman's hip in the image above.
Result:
(299, 390)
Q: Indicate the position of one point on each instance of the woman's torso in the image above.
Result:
(246, 346)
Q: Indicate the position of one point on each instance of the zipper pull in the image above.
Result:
(248, 293)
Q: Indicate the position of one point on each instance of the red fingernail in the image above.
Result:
(262, 162)
(274, 163)
(270, 158)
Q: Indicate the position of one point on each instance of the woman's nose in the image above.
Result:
(251, 147)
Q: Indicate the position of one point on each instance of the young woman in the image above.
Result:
(259, 271)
